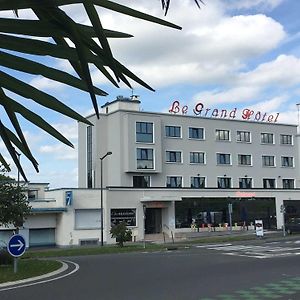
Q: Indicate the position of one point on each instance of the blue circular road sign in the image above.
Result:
(16, 245)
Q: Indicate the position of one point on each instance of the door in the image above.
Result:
(153, 222)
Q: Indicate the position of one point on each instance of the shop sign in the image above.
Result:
(119, 215)
(245, 114)
(156, 204)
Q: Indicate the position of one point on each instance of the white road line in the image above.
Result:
(45, 281)
(213, 245)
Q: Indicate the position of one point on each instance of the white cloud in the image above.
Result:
(43, 83)
(69, 130)
(261, 4)
(60, 151)
(283, 71)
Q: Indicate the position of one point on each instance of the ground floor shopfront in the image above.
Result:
(74, 218)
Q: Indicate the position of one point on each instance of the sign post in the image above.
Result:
(282, 210)
(16, 247)
(230, 215)
(259, 229)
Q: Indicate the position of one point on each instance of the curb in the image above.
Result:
(63, 268)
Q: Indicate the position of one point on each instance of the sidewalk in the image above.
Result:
(272, 235)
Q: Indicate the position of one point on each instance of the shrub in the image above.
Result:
(121, 233)
(5, 257)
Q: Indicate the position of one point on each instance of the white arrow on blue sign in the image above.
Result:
(16, 245)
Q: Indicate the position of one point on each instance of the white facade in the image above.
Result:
(167, 172)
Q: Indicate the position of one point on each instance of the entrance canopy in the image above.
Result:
(159, 198)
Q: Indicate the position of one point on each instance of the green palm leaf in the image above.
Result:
(55, 24)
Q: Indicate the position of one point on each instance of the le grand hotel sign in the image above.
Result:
(245, 114)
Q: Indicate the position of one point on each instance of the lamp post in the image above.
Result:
(101, 192)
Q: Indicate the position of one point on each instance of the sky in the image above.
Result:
(229, 54)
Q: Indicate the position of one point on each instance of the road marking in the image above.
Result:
(267, 251)
(44, 281)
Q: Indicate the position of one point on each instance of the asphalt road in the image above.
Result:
(224, 271)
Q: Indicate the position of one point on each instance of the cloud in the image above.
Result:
(43, 83)
(261, 4)
(69, 130)
(60, 151)
(283, 71)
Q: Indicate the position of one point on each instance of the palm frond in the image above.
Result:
(22, 36)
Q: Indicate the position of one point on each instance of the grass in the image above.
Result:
(78, 251)
(28, 268)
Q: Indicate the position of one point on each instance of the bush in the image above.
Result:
(5, 258)
(121, 233)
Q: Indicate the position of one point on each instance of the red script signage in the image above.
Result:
(245, 114)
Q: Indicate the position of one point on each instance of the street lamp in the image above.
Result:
(101, 195)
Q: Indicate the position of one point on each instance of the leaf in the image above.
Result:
(4, 163)
(17, 4)
(11, 149)
(28, 91)
(35, 119)
(41, 28)
(15, 123)
(29, 66)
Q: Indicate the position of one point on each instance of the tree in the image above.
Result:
(52, 22)
(121, 233)
(14, 206)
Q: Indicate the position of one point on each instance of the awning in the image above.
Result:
(159, 198)
(49, 210)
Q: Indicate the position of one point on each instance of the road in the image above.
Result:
(206, 272)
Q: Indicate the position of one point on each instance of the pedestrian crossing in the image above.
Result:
(268, 250)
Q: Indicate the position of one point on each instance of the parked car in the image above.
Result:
(292, 225)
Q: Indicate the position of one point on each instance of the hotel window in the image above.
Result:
(196, 133)
(144, 158)
(198, 182)
(173, 131)
(32, 195)
(223, 159)
(243, 136)
(197, 157)
(224, 182)
(287, 161)
(245, 183)
(268, 161)
(286, 139)
(144, 132)
(244, 160)
(141, 181)
(222, 135)
(288, 183)
(89, 139)
(269, 183)
(267, 138)
(173, 156)
(174, 181)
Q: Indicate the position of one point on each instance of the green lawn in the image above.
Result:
(28, 268)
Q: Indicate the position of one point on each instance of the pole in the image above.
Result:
(282, 210)
(144, 211)
(101, 197)
(101, 192)
(15, 265)
(230, 215)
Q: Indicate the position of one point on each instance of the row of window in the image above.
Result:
(144, 134)
(145, 159)
(222, 182)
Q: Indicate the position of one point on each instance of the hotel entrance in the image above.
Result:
(153, 221)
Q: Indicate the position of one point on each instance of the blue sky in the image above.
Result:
(231, 53)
